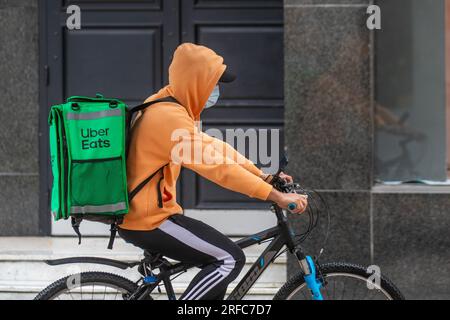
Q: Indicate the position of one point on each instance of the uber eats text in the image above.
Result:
(95, 139)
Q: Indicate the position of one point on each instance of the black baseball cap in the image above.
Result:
(227, 76)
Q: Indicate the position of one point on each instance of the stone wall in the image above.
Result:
(329, 134)
(19, 179)
(328, 114)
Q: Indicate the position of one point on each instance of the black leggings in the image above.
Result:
(191, 241)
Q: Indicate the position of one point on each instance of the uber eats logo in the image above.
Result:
(95, 138)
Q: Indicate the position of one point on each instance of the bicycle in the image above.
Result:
(314, 282)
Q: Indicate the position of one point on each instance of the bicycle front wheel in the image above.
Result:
(342, 281)
(89, 286)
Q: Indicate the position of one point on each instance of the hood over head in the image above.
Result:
(194, 72)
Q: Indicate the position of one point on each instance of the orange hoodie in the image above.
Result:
(193, 74)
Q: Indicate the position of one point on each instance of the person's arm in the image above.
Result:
(196, 151)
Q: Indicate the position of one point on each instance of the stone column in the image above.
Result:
(329, 135)
(19, 108)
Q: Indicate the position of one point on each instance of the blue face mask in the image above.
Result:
(212, 100)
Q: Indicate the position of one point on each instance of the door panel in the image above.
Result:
(250, 51)
(249, 35)
(119, 62)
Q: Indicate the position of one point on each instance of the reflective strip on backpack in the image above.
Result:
(98, 209)
(94, 115)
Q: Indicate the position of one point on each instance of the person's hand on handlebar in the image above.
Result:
(295, 203)
(286, 177)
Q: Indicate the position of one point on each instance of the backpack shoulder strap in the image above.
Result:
(148, 104)
(132, 112)
(141, 185)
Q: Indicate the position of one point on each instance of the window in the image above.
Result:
(412, 141)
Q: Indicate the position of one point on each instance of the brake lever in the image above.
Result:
(278, 183)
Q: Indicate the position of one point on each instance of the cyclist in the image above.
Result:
(155, 221)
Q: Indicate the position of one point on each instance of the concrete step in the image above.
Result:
(23, 273)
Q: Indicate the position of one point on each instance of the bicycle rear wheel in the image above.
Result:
(342, 282)
(89, 286)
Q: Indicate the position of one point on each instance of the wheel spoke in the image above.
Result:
(304, 295)
(70, 293)
(343, 289)
(356, 286)
(365, 295)
(334, 289)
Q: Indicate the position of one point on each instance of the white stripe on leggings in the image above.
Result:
(214, 282)
(191, 240)
(201, 282)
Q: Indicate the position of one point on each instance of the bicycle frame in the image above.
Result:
(282, 236)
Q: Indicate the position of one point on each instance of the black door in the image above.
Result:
(249, 35)
(124, 49)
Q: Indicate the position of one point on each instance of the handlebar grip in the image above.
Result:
(292, 206)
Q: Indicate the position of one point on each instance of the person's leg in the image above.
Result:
(227, 258)
(192, 241)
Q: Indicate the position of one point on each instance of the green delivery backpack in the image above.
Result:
(88, 149)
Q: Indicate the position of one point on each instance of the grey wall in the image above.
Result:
(19, 107)
(411, 241)
(330, 137)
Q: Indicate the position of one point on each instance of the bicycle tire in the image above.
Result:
(113, 280)
(331, 269)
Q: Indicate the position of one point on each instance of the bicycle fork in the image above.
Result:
(310, 275)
